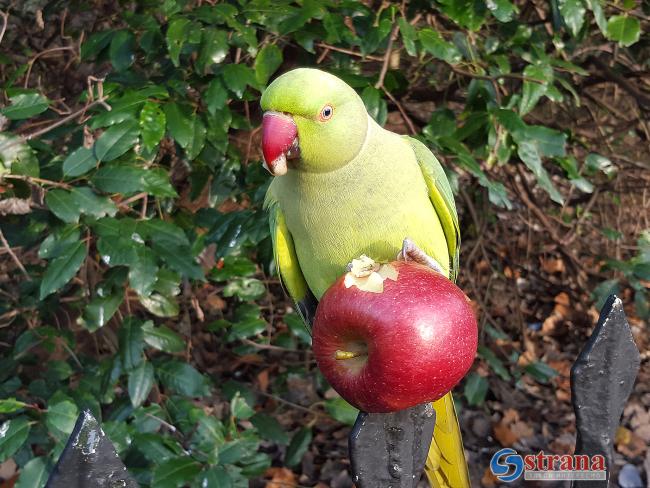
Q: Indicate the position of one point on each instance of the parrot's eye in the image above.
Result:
(326, 113)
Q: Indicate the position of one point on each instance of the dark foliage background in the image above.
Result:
(135, 263)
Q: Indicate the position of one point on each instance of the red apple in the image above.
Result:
(390, 350)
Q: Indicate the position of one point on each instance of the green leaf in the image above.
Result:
(626, 30)
(573, 12)
(159, 305)
(131, 339)
(237, 77)
(155, 181)
(62, 269)
(214, 49)
(10, 405)
(215, 96)
(375, 104)
(341, 410)
(13, 434)
(117, 140)
(245, 288)
(467, 13)
(63, 205)
(409, 36)
(177, 33)
(100, 310)
(175, 472)
(197, 141)
(183, 378)
(162, 338)
(152, 124)
(96, 43)
(529, 154)
(595, 162)
(503, 10)
(119, 178)
(179, 259)
(61, 415)
(540, 371)
(89, 203)
(180, 123)
(140, 383)
(239, 408)
(122, 50)
(268, 60)
(269, 428)
(233, 266)
(599, 15)
(495, 363)
(476, 387)
(532, 91)
(298, 327)
(434, 44)
(143, 271)
(298, 447)
(25, 105)
(80, 161)
(16, 157)
(34, 474)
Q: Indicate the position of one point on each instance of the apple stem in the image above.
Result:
(347, 354)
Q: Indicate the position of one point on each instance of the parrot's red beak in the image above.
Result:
(279, 142)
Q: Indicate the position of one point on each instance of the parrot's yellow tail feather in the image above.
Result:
(446, 466)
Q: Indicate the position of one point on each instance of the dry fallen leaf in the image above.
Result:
(510, 428)
(488, 480)
(280, 478)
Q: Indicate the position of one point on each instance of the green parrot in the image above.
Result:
(344, 186)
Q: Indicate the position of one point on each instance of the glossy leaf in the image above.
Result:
(13, 434)
(298, 447)
(25, 105)
(62, 269)
(140, 383)
(268, 60)
(175, 472)
(152, 124)
(80, 161)
(624, 29)
(162, 338)
(62, 415)
(116, 140)
(34, 474)
(182, 378)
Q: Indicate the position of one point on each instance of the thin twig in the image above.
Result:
(389, 51)
(5, 21)
(31, 62)
(22, 139)
(349, 51)
(13, 256)
(268, 347)
(406, 118)
(33, 179)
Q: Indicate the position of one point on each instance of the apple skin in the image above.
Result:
(420, 334)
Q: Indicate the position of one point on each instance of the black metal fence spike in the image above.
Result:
(602, 379)
(389, 450)
(89, 460)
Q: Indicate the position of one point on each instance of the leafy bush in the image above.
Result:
(138, 212)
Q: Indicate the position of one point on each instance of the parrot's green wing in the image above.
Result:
(446, 466)
(286, 262)
(442, 199)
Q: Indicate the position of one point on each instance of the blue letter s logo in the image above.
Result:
(500, 470)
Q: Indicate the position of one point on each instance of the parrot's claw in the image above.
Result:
(412, 252)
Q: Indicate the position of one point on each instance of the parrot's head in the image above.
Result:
(313, 121)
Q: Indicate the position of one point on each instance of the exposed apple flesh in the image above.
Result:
(388, 350)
